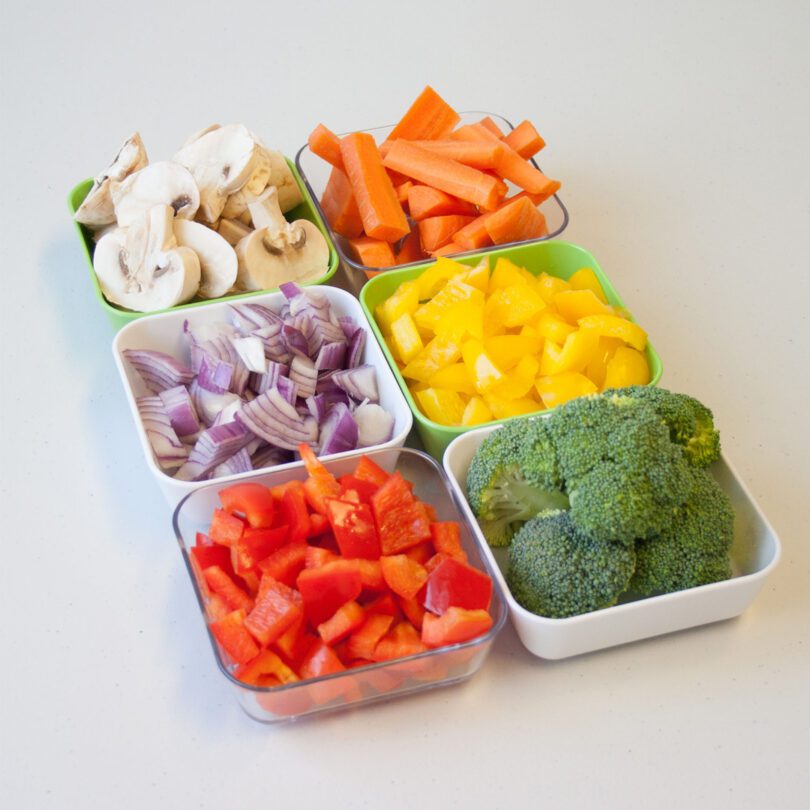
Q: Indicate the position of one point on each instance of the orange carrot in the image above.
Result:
(411, 249)
(492, 126)
(516, 222)
(325, 144)
(525, 140)
(474, 235)
(429, 117)
(447, 250)
(503, 190)
(447, 175)
(424, 202)
(382, 215)
(402, 193)
(435, 232)
(373, 252)
(340, 207)
(470, 153)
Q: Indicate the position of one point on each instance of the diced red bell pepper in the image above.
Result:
(295, 642)
(447, 539)
(279, 489)
(354, 529)
(216, 608)
(367, 470)
(316, 557)
(256, 544)
(371, 575)
(421, 553)
(364, 640)
(385, 604)
(321, 484)
(320, 660)
(220, 583)
(357, 489)
(225, 527)
(266, 669)
(401, 641)
(254, 501)
(402, 575)
(326, 588)
(401, 520)
(431, 512)
(286, 563)
(295, 514)
(413, 610)
(206, 556)
(345, 620)
(232, 636)
(454, 626)
(456, 584)
(277, 607)
(434, 561)
(318, 524)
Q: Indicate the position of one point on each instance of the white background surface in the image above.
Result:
(680, 133)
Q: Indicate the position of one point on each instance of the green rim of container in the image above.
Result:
(560, 259)
(119, 316)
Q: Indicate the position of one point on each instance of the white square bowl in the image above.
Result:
(754, 554)
(164, 332)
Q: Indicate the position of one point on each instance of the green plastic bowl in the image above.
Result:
(561, 259)
(119, 316)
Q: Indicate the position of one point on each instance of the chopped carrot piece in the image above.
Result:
(516, 222)
(411, 248)
(525, 140)
(325, 144)
(402, 193)
(477, 154)
(340, 207)
(373, 252)
(429, 117)
(447, 250)
(492, 126)
(434, 232)
(424, 202)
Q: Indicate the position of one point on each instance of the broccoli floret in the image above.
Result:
(555, 570)
(693, 547)
(513, 476)
(690, 422)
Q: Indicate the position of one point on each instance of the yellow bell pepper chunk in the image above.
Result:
(549, 286)
(478, 276)
(597, 368)
(614, 326)
(574, 355)
(626, 367)
(435, 277)
(404, 299)
(559, 388)
(518, 382)
(576, 304)
(440, 352)
(483, 371)
(444, 407)
(405, 339)
(507, 274)
(505, 408)
(586, 279)
(476, 412)
(455, 377)
(462, 319)
(428, 315)
(514, 305)
(507, 350)
(552, 327)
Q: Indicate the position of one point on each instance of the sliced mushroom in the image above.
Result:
(289, 195)
(279, 251)
(162, 183)
(143, 268)
(232, 230)
(221, 161)
(97, 210)
(217, 257)
(199, 133)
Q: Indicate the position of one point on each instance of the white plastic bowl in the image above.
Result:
(164, 332)
(754, 554)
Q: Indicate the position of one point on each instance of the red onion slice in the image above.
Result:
(214, 446)
(169, 451)
(277, 422)
(374, 424)
(180, 410)
(237, 463)
(251, 352)
(356, 346)
(158, 370)
(338, 431)
(359, 382)
(250, 317)
(261, 382)
(331, 356)
(304, 375)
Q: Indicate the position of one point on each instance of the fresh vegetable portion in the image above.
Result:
(608, 495)
(303, 580)
(475, 345)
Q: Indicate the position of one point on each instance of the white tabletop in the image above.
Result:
(680, 133)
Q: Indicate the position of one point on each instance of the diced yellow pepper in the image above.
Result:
(586, 279)
(574, 355)
(549, 286)
(508, 274)
(483, 371)
(455, 377)
(478, 276)
(576, 304)
(627, 367)
(405, 338)
(559, 388)
(462, 319)
(435, 277)
(504, 408)
(514, 305)
(428, 315)
(404, 299)
(507, 350)
(597, 368)
(476, 412)
(444, 407)
(519, 381)
(614, 326)
(552, 327)
(440, 352)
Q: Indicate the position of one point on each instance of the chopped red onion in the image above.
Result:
(269, 456)
(287, 388)
(273, 341)
(222, 349)
(359, 382)
(169, 451)
(348, 326)
(261, 382)
(326, 384)
(209, 331)
(208, 403)
(277, 422)
(250, 317)
(331, 356)
(251, 352)
(304, 375)
(295, 340)
(214, 374)
(214, 446)
(356, 346)
(338, 431)
(180, 410)
(374, 424)
(319, 404)
(158, 370)
(237, 463)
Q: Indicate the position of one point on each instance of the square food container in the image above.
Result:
(164, 332)
(416, 673)
(561, 259)
(119, 316)
(754, 554)
(315, 173)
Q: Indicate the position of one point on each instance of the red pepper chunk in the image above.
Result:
(356, 489)
(277, 607)
(220, 583)
(354, 529)
(206, 556)
(295, 514)
(367, 470)
(326, 588)
(345, 620)
(256, 544)
(286, 563)
(403, 575)
(254, 501)
(455, 584)
(364, 640)
(454, 626)
(447, 539)
(226, 528)
(266, 669)
(320, 660)
(413, 610)
(402, 641)
(232, 636)
(401, 520)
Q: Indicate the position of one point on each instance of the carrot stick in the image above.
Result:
(492, 127)
(429, 117)
(373, 252)
(447, 175)
(382, 215)
(402, 193)
(424, 202)
(325, 144)
(340, 207)
(516, 222)
(411, 248)
(437, 231)
(525, 140)
(470, 153)
(447, 250)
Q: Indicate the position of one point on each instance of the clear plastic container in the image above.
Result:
(315, 172)
(416, 673)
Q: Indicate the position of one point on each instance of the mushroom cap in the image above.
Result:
(218, 264)
(162, 183)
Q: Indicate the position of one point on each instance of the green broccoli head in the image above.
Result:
(692, 548)
(556, 570)
(513, 476)
(690, 423)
